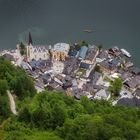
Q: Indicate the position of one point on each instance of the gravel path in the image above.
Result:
(12, 103)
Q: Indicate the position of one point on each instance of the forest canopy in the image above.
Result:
(55, 116)
(63, 117)
(15, 79)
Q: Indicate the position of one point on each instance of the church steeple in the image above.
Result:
(30, 39)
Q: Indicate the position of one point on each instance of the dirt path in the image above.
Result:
(12, 103)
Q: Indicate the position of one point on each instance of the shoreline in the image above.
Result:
(73, 67)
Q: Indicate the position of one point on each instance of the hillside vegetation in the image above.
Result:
(55, 116)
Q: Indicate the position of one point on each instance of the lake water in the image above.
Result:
(115, 22)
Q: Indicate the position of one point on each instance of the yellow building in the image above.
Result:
(60, 51)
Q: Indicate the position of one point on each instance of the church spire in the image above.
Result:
(30, 39)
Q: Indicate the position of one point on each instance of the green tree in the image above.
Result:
(24, 86)
(38, 118)
(4, 107)
(24, 115)
(22, 49)
(58, 116)
(100, 46)
(84, 127)
(16, 79)
(22, 46)
(87, 104)
(116, 86)
(3, 87)
(82, 43)
(22, 52)
(98, 69)
(117, 138)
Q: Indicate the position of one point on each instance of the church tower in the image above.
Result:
(30, 39)
(29, 46)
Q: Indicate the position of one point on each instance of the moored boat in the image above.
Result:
(88, 30)
(125, 53)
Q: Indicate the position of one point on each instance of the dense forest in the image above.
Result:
(55, 116)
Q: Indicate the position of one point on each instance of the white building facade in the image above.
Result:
(37, 52)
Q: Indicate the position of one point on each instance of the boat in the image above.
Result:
(88, 30)
(126, 53)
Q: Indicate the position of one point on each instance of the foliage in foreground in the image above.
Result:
(4, 107)
(54, 116)
(60, 117)
(14, 130)
(15, 79)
